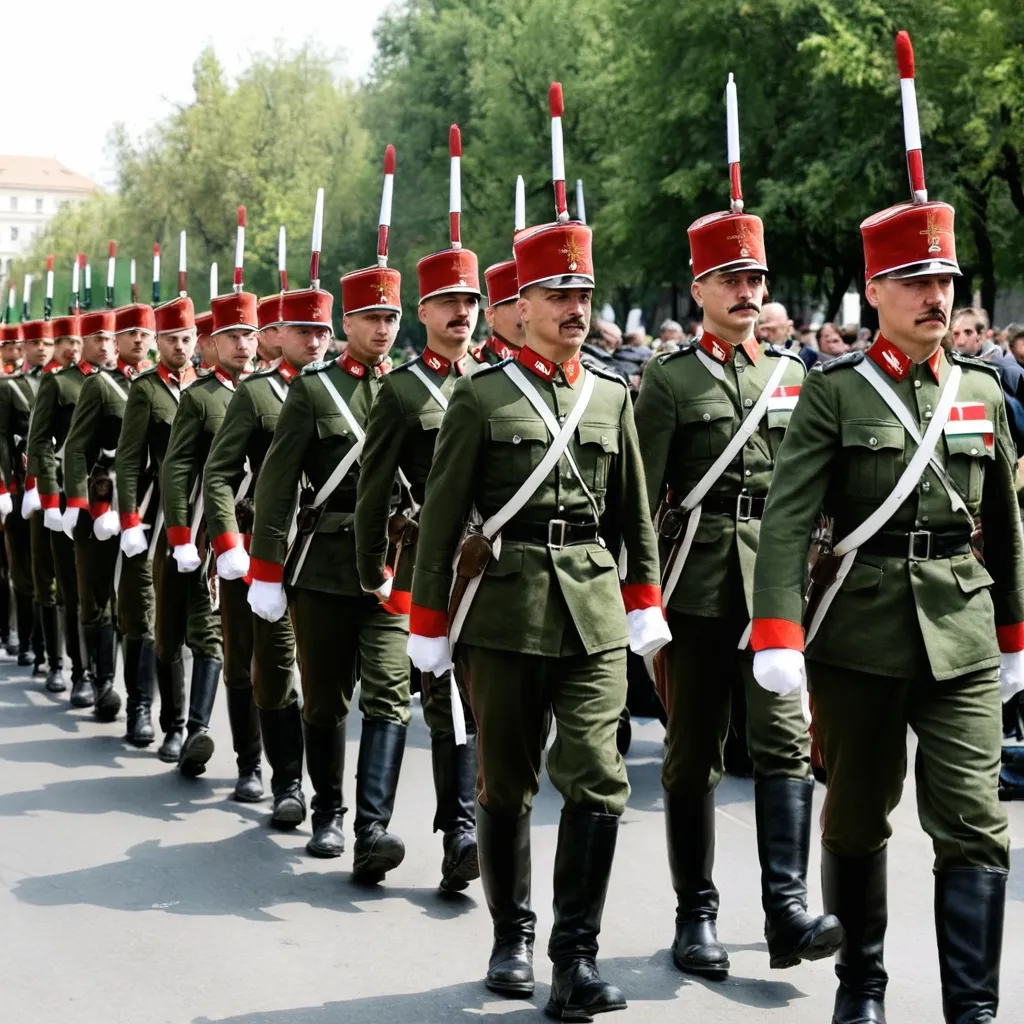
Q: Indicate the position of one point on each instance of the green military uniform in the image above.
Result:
(341, 633)
(400, 436)
(187, 612)
(267, 649)
(51, 420)
(493, 351)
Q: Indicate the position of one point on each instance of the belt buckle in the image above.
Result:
(557, 527)
(744, 507)
(913, 547)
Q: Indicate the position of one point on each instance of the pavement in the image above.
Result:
(129, 894)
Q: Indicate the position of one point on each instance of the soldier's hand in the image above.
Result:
(68, 520)
(107, 525)
(233, 563)
(6, 506)
(53, 520)
(430, 653)
(384, 594)
(133, 541)
(30, 502)
(267, 600)
(1011, 675)
(648, 630)
(780, 670)
(187, 557)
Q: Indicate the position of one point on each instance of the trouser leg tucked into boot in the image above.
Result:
(106, 700)
(198, 746)
(51, 619)
(782, 811)
(854, 889)
(455, 789)
(969, 908)
(23, 604)
(38, 641)
(170, 678)
(504, 848)
(282, 741)
(377, 851)
(325, 761)
(132, 650)
(82, 685)
(690, 830)
(141, 733)
(81, 677)
(245, 736)
(583, 865)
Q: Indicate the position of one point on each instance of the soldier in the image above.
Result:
(340, 632)
(205, 345)
(268, 316)
(235, 459)
(546, 452)
(10, 348)
(906, 448)
(711, 417)
(400, 439)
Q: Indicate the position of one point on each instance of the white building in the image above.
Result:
(32, 190)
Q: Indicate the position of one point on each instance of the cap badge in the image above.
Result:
(932, 231)
(744, 237)
(316, 314)
(382, 293)
(571, 252)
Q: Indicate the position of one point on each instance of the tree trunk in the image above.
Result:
(978, 219)
(840, 284)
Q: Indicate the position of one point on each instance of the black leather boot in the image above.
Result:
(282, 742)
(504, 845)
(170, 680)
(690, 829)
(38, 641)
(583, 865)
(23, 605)
(51, 616)
(198, 746)
(131, 648)
(455, 789)
(969, 908)
(81, 677)
(245, 737)
(782, 811)
(377, 851)
(854, 889)
(106, 700)
(142, 733)
(325, 762)
(5, 612)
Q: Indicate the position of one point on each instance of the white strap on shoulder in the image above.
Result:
(278, 389)
(435, 391)
(113, 383)
(342, 405)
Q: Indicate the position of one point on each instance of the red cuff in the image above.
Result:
(3, 487)
(225, 542)
(767, 634)
(101, 508)
(30, 482)
(640, 595)
(14, 487)
(246, 541)
(266, 572)
(130, 519)
(1011, 638)
(427, 621)
(400, 603)
(178, 535)
(52, 500)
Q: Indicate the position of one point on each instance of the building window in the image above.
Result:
(14, 234)
(14, 204)
(39, 206)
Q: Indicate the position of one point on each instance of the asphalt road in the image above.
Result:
(128, 894)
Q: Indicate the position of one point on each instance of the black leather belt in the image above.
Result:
(558, 533)
(917, 545)
(739, 506)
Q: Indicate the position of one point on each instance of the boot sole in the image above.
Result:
(324, 853)
(514, 989)
(56, 687)
(168, 756)
(580, 1014)
(466, 871)
(248, 798)
(195, 754)
(374, 867)
(718, 973)
(139, 741)
(825, 945)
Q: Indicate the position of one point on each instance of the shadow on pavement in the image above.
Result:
(100, 751)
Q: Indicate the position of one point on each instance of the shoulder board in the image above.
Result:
(973, 363)
(484, 370)
(73, 367)
(317, 367)
(683, 350)
(774, 350)
(402, 367)
(607, 373)
(850, 359)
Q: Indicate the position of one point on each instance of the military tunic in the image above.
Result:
(909, 639)
(341, 632)
(691, 404)
(548, 626)
(238, 450)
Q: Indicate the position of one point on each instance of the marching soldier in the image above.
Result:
(232, 468)
(268, 316)
(710, 417)
(9, 345)
(341, 633)
(905, 449)
(400, 437)
(546, 452)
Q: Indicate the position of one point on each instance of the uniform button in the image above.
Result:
(926, 486)
(915, 566)
(748, 472)
(707, 417)
(516, 439)
(917, 383)
(604, 440)
(740, 369)
(873, 441)
(561, 417)
(924, 519)
(974, 451)
(561, 508)
(928, 415)
(748, 403)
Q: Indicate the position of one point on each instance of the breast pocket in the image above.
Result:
(874, 457)
(431, 420)
(598, 444)
(967, 455)
(709, 426)
(518, 446)
(336, 436)
(268, 422)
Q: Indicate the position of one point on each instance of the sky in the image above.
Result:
(65, 46)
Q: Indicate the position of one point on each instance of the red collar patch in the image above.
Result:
(546, 369)
(53, 366)
(896, 362)
(441, 366)
(129, 371)
(287, 371)
(176, 378)
(351, 365)
(501, 348)
(722, 351)
(88, 368)
(224, 378)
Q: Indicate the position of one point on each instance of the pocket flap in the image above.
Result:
(511, 562)
(862, 577)
(333, 426)
(518, 430)
(269, 422)
(431, 419)
(873, 434)
(972, 445)
(604, 434)
(970, 574)
(602, 558)
(707, 411)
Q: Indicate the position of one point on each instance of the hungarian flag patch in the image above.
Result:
(970, 419)
(784, 398)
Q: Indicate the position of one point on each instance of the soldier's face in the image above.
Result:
(450, 319)
(235, 349)
(99, 348)
(10, 352)
(269, 346)
(176, 348)
(731, 301)
(371, 335)
(301, 345)
(504, 320)
(38, 351)
(68, 350)
(132, 346)
(914, 310)
(207, 349)
(557, 316)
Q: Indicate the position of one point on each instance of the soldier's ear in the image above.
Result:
(489, 316)
(697, 292)
(522, 308)
(871, 293)
(421, 312)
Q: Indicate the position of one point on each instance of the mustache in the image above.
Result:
(459, 322)
(745, 305)
(573, 321)
(935, 313)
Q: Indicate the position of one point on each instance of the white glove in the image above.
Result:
(1011, 675)
(133, 541)
(648, 630)
(68, 520)
(53, 520)
(187, 557)
(430, 653)
(780, 670)
(268, 600)
(30, 503)
(233, 564)
(6, 506)
(107, 525)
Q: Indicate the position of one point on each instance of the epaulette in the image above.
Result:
(683, 350)
(316, 367)
(607, 372)
(850, 359)
(774, 350)
(484, 370)
(972, 362)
